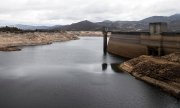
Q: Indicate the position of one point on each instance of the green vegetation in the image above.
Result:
(17, 30)
(10, 29)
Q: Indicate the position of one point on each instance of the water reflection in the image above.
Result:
(114, 67)
(104, 66)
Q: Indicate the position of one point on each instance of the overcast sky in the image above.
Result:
(54, 12)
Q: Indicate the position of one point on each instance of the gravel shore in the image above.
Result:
(163, 72)
(10, 41)
(87, 33)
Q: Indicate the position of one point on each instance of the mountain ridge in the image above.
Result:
(173, 22)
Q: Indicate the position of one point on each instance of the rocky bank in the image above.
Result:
(163, 72)
(11, 41)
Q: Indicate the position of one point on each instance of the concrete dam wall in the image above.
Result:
(157, 42)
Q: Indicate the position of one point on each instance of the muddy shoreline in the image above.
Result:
(162, 72)
(14, 41)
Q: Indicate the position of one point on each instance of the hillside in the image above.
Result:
(29, 27)
(81, 26)
(142, 25)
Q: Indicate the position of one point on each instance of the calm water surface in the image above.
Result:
(73, 74)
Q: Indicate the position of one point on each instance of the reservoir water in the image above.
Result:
(73, 74)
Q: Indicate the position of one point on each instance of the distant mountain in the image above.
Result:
(83, 25)
(156, 19)
(106, 23)
(29, 27)
(142, 25)
(56, 27)
(175, 17)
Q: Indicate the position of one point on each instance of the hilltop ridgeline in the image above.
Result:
(142, 25)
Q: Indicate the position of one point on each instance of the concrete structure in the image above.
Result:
(157, 28)
(156, 42)
(105, 33)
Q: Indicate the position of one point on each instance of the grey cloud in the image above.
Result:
(68, 11)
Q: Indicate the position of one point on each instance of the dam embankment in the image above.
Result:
(157, 69)
(134, 44)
